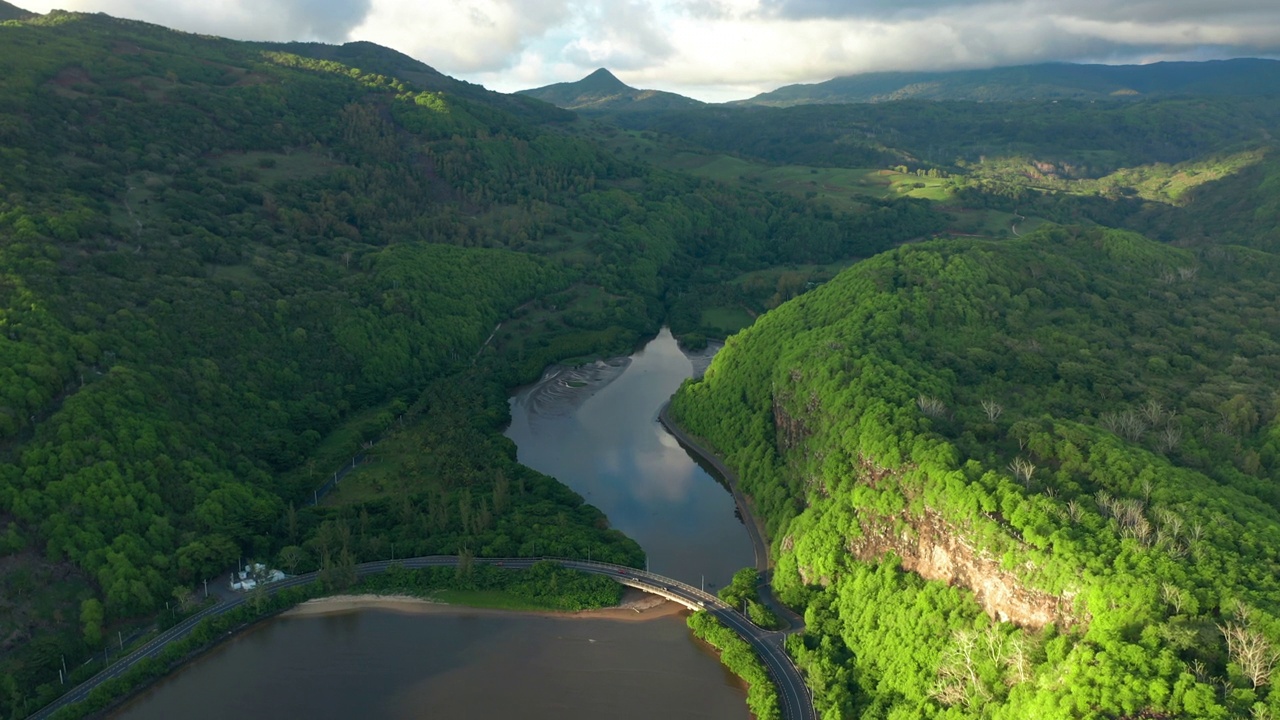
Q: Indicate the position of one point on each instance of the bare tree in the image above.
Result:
(1106, 503)
(931, 406)
(992, 409)
(1170, 438)
(958, 679)
(1196, 531)
(993, 640)
(1172, 594)
(1132, 426)
(1074, 511)
(1017, 660)
(1171, 521)
(1153, 411)
(1249, 648)
(1022, 469)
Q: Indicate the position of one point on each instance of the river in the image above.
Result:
(595, 429)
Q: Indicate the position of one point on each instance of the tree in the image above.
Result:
(291, 556)
(992, 408)
(91, 616)
(1249, 648)
(185, 597)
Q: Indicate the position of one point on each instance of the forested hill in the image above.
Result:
(603, 92)
(11, 12)
(1075, 432)
(226, 268)
(1049, 81)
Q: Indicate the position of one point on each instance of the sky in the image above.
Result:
(720, 50)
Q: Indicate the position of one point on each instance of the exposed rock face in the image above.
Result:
(936, 550)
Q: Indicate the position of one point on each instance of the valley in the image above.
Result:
(998, 366)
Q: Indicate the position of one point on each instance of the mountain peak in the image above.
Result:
(602, 79)
(603, 91)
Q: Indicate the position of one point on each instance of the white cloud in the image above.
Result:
(727, 49)
(462, 36)
(325, 20)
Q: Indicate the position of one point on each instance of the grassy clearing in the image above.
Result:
(337, 449)
(727, 320)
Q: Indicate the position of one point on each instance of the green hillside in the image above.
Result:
(1048, 81)
(1030, 478)
(12, 12)
(226, 268)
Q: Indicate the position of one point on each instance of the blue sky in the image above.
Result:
(718, 50)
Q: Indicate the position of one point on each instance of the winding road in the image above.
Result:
(794, 698)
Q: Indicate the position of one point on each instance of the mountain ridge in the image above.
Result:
(13, 12)
(1046, 81)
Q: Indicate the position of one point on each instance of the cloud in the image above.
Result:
(620, 35)
(325, 20)
(463, 36)
(728, 49)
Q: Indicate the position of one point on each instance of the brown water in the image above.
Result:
(381, 664)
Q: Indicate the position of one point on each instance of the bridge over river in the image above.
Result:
(795, 701)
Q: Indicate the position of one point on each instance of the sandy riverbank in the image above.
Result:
(563, 389)
(635, 606)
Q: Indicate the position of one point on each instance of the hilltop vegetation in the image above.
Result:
(1073, 432)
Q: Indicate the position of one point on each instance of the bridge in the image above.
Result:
(794, 698)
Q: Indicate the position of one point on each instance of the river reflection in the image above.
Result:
(604, 441)
(395, 666)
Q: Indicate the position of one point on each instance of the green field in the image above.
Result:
(727, 320)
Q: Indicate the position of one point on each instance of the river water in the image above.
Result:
(595, 429)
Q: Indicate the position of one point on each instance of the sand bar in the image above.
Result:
(635, 606)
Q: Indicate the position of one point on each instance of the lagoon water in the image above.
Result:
(596, 430)
(381, 664)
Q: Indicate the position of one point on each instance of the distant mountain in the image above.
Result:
(1050, 81)
(602, 91)
(12, 12)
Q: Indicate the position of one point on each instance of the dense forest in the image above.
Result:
(1024, 478)
(226, 268)
(1005, 477)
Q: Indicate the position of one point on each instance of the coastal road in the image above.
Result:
(793, 694)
